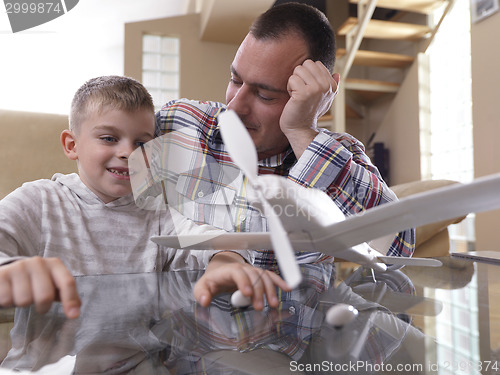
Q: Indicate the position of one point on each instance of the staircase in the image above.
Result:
(370, 60)
(378, 41)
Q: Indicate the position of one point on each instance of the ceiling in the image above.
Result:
(219, 16)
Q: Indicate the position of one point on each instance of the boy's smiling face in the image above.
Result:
(102, 148)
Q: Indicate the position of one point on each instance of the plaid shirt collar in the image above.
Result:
(277, 160)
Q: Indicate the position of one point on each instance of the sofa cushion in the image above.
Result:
(30, 148)
(428, 232)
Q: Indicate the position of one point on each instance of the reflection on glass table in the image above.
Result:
(410, 321)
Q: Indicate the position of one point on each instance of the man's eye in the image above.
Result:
(235, 82)
(264, 98)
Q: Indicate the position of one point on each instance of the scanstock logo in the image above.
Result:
(25, 14)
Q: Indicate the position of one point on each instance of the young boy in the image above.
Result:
(88, 223)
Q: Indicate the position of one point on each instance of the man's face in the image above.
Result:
(258, 92)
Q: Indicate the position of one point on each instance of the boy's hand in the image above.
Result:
(227, 272)
(39, 281)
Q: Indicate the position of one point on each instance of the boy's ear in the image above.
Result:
(68, 141)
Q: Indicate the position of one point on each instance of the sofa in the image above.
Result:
(431, 240)
(30, 148)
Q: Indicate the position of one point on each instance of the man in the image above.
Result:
(281, 83)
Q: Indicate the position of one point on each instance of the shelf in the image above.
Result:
(417, 6)
(379, 59)
(370, 90)
(350, 112)
(378, 29)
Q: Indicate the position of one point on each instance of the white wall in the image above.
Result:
(400, 127)
(41, 68)
(486, 118)
(204, 72)
(400, 130)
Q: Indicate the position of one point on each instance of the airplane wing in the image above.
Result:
(432, 206)
(436, 205)
(225, 241)
(299, 241)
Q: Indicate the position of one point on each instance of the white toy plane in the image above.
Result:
(317, 223)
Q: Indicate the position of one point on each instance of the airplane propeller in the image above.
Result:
(242, 150)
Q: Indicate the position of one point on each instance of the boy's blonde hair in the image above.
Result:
(108, 92)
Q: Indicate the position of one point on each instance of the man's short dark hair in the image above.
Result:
(309, 22)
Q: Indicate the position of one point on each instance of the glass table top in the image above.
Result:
(415, 320)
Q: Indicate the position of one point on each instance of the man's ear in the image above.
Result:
(68, 141)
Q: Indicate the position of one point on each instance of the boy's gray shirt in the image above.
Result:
(63, 218)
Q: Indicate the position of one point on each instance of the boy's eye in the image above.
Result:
(143, 141)
(108, 139)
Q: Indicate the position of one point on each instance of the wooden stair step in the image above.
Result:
(350, 112)
(379, 59)
(378, 29)
(370, 90)
(417, 6)
(371, 85)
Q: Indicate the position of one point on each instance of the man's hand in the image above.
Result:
(312, 89)
(39, 281)
(227, 273)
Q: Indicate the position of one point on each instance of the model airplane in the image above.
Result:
(317, 224)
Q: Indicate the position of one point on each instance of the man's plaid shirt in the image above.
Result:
(212, 190)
